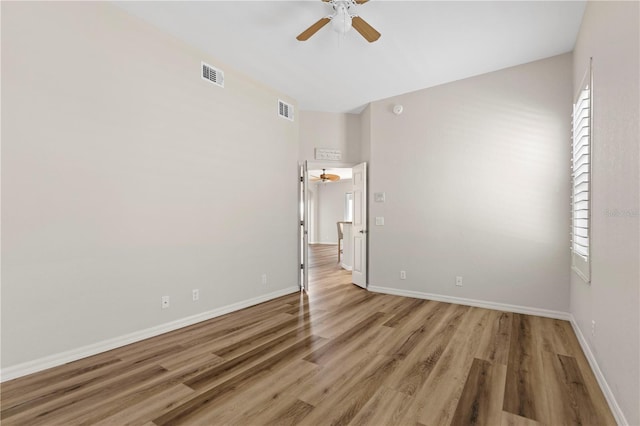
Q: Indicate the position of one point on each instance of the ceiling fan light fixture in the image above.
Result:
(325, 177)
(341, 23)
(342, 20)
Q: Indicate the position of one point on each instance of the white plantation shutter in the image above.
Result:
(581, 173)
(581, 181)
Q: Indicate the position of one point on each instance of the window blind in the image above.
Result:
(581, 173)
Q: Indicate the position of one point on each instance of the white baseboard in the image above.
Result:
(345, 266)
(604, 386)
(55, 360)
(107, 345)
(474, 302)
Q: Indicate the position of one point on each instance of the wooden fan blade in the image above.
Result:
(332, 178)
(360, 1)
(365, 30)
(313, 29)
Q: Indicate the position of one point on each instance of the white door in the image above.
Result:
(359, 226)
(304, 231)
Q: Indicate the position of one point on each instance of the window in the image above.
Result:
(581, 181)
(348, 207)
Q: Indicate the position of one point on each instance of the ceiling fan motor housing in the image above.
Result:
(342, 21)
(327, 177)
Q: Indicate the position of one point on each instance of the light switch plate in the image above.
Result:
(379, 221)
(379, 197)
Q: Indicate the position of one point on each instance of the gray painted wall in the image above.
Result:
(610, 34)
(476, 179)
(124, 179)
(330, 130)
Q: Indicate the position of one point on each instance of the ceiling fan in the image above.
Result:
(343, 19)
(325, 177)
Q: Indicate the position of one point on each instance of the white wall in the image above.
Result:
(335, 131)
(312, 229)
(330, 201)
(365, 136)
(123, 179)
(610, 34)
(476, 179)
(330, 130)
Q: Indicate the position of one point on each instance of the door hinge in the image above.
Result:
(302, 266)
(301, 179)
(302, 223)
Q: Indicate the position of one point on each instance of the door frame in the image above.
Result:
(305, 166)
(303, 224)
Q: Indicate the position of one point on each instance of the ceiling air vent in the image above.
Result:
(212, 74)
(285, 110)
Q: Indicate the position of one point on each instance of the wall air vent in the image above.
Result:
(212, 74)
(285, 110)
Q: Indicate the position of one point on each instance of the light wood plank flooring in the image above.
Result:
(340, 355)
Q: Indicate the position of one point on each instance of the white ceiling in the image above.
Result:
(423, 43)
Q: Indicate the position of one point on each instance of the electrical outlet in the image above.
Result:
(593, 327)
(403, 275)
(459, 281)
(195, 294)
(264, 279)
(165, 302)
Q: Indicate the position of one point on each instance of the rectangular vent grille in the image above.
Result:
(212, 74)
(285, 110)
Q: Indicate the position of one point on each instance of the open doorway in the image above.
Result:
(330, 204)
(330, 201)
(334, 206)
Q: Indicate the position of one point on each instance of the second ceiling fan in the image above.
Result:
(325, 177)
(343, 19)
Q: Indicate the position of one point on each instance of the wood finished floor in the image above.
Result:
(341, 355)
